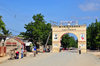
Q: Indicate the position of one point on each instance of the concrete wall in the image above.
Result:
(10, 47)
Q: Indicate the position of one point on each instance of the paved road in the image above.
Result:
(56, 59)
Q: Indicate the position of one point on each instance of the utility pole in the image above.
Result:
(47, 40)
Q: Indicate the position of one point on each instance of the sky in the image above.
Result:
(17, 13)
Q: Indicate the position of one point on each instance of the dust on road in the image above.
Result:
(56, 59)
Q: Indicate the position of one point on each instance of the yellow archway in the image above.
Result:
(78, 30)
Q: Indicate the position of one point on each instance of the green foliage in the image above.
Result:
(3, 30)
(93, 35)
(68, 41)
(2, 24)
(6, 32)
(38, 30)
(65, 41)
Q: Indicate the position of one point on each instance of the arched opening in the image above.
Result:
(69, 41)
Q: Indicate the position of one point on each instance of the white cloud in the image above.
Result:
(92, 6)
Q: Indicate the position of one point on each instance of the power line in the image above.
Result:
(13, 30)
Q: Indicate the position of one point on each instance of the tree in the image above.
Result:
(37, 31)
(72, 42)
(98, 41)
(93, 31)
(68, 41)
(3, 30)
(65, 41)
(2, 25)
(90, 36)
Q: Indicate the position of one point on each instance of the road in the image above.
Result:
(56, 59)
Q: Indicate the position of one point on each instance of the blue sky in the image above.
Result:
(17, 13)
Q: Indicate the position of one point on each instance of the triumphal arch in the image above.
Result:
(59, 30)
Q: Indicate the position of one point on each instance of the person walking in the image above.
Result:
(17, 55)
(22, 51)
(34, 50)
(79, 49)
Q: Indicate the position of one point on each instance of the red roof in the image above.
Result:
(19, 40)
